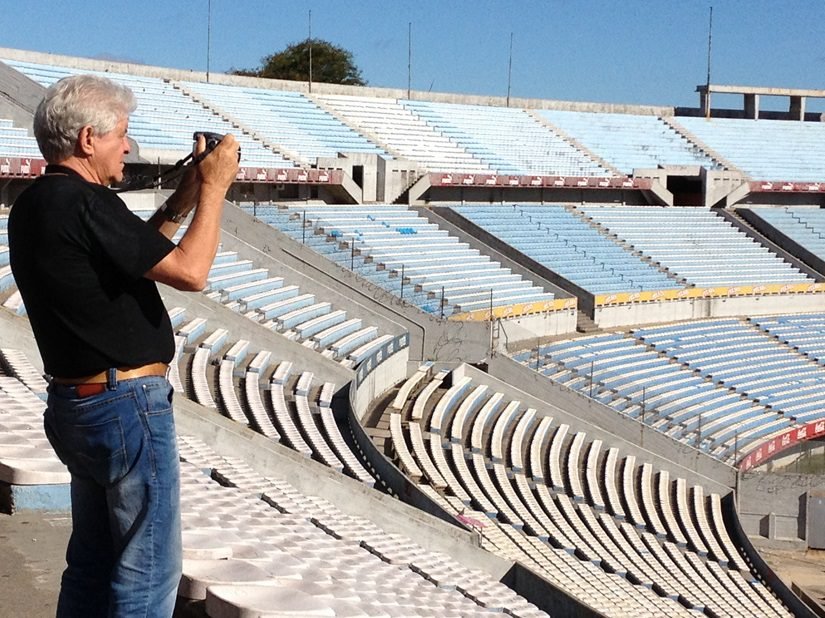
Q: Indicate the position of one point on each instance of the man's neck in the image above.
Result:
(82, 168)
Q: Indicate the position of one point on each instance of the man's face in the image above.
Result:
(109, 151)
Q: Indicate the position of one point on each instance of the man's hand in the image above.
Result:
(187, 266)
(219, 167)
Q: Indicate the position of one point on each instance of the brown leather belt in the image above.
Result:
(96, 384)
(98, 379)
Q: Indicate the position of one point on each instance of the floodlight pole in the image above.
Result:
(707, 82)
(309, 42)
(208, 36)
(409, 59)
(510, 70)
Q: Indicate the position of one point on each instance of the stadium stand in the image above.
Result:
(764, 149)
(805, 226)
(731, 387)
(701, 247)
(553, 518)
(165, 118)
(629, 141)
(16, 142)
(288, 119)
(557, 238)
(405, 132)
(510, 141)
(397, 249)
(339, 459)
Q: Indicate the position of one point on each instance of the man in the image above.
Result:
(86, 268)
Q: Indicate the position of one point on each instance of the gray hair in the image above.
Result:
(73, 103)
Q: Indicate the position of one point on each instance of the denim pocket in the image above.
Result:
(90, 437)
(160, 428)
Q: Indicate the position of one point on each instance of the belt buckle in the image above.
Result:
(87, 390)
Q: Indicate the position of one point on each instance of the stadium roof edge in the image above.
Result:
(133, 68)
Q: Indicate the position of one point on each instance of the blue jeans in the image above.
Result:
(124, 554)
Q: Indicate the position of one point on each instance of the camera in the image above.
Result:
(212, 141)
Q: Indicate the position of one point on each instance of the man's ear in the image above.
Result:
(85, 141)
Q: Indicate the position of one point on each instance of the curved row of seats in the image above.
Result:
(280, 306)
(255, 544)
(271, 396)
(763, 149)
(722, 386)
(288, 119)
(606, 249)
(403, 253)
(559, 498)
(805, 333)
(630, 141)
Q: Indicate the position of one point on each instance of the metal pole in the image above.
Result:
(592, 360)
(442, 302)
(538, 352)
(352, 255)
(735, 447)
(304, 228)
(409, 58)
(510, 70)
(642, 426)
(491, 321)
(710, 44)
(402, 282)
(309, 42)
(208, 37)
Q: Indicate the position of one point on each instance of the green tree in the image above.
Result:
(330, 64)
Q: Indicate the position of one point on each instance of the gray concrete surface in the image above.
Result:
(32, 546)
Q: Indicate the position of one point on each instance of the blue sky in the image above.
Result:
(586, 50)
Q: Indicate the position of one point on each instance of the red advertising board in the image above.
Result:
(771, 448)
(458, 179)
(14, 167)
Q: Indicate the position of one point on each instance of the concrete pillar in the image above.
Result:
(797, 108)
(704, 102)
(751, 105)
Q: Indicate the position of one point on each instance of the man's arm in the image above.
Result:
(168, 218)
(187, 266)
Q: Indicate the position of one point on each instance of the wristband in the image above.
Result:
(174, 217)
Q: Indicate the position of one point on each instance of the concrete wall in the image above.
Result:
(691, 309)
(19, 97)
(365, 390)
(773, 505)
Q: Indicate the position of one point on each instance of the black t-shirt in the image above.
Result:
(78, 256)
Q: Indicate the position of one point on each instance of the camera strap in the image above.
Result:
(140, 183)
